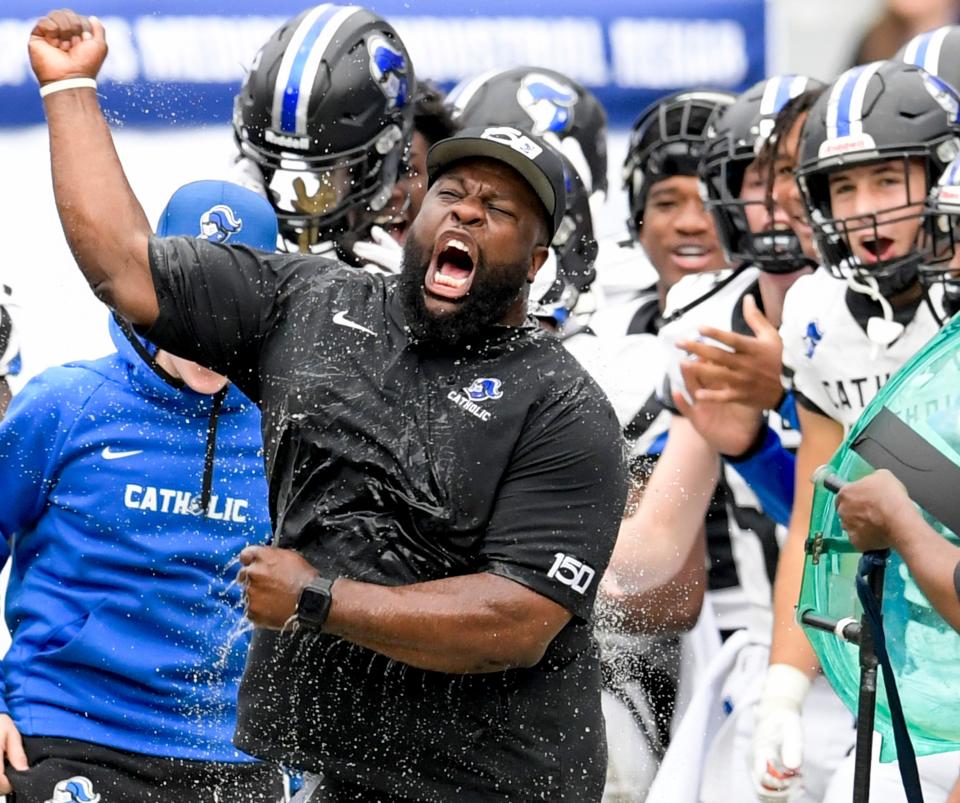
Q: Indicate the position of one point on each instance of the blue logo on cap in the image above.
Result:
(218, 224)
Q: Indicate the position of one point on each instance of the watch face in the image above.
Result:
(314, 604)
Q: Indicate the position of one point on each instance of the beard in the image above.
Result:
(494, 290)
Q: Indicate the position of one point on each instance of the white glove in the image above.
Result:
(778, 734)
(382, 252)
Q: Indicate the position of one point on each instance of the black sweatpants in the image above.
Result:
(75, 771)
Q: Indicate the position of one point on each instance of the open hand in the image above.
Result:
(749, 372)
(729, 427)
(66, 45)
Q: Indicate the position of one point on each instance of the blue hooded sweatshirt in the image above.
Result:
(123, 607)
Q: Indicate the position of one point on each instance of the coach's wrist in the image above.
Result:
(313, 605)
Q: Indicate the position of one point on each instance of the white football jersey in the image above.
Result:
(685, 313)
(829, 362)
(623, 270)
(618, 346)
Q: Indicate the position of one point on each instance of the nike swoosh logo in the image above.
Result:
(341, 319)
(109, 454)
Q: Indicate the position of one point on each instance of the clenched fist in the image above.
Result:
(272, 580)
(66, 45)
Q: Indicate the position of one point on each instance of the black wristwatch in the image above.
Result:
(313, 607)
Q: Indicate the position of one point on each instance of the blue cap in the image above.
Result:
(220, 212)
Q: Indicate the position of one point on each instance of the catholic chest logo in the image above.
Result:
(472, 397)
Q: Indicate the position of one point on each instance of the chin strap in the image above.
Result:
(881, 331)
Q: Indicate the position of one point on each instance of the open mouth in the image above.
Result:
(451, 269)
(878, 250)
(692, 257)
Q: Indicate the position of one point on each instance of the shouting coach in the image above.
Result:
(445, 481)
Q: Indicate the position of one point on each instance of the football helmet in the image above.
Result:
(543, 102)
(554, 295)
(939, 244)
(937, 51)
(874, 113)
(667, 139)
(326, 113)
(736, 135)
(502, 98)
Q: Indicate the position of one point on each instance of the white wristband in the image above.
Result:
(785, 683)
(67, 83)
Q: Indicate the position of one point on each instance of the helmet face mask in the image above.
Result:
(738, 197)
(667, 139)
(879, 245)
(886, 130)
(737, 192)
(316, 196)
(328, 132)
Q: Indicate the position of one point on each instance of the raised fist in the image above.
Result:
(66, 45)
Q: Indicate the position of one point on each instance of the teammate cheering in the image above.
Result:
(322, 121)
(872, 145)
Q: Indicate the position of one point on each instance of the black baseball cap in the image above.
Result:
(535, 160)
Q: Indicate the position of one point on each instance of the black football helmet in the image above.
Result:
(543, 102)
(736, 134)
(937, 52)
(941, 233)
(667, 139)
(503, 98)
(875, 113)
(575, 249)
(326, 114)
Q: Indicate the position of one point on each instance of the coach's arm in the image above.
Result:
(103, 222)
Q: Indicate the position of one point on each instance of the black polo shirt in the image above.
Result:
(394, 462)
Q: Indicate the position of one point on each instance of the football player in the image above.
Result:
(322, 121)
(872, 145)
(569, 117)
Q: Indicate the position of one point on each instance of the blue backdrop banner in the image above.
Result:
(180, 61)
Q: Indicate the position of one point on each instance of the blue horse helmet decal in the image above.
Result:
(483, 388)
(549, 102)
(388, 66)
(77, 789)
(218, 224)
